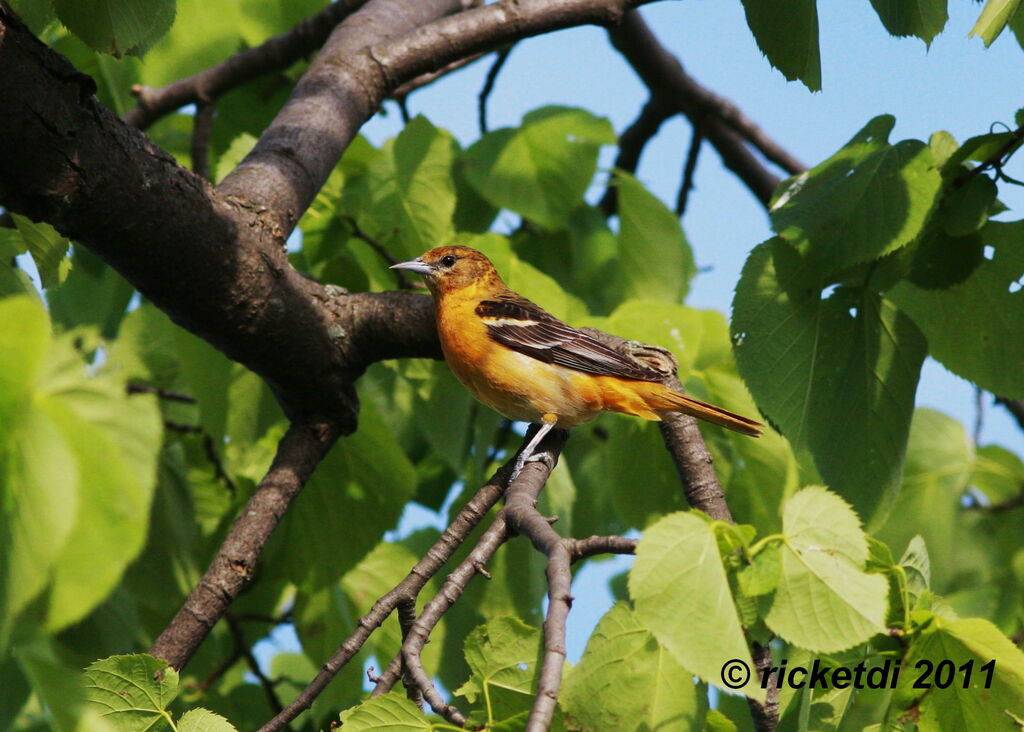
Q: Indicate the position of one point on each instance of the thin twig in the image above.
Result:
(594, 545)
(202, 127)
(446, 545)
(994, 161)
(246, 651)
(166, 394)
(631, 144)
(381, 250)
(485, 92)
(429, 78)
(696, 142)
(406, 619)
(274, 54)
(979, 414)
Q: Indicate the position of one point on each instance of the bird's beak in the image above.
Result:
(414, 265)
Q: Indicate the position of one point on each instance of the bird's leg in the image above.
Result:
(527, 456)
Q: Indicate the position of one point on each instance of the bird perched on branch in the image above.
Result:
(525, 363)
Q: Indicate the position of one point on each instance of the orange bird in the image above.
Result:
(525, 363)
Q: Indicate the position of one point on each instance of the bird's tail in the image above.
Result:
(652, 400)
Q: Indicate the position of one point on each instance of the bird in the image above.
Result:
(529, 366)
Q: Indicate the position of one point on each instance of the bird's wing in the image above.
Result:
(517, 323)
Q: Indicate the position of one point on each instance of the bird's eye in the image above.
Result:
(448, 260)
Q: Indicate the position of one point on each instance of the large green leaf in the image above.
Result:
(868, 199)
(994, 17)
(681, 594)
(117, 26)
(998, 474)
(935, 476)
(968, 703)
(836, 375)
(824, 600)
(411, 190)
(131, 692)
(203, 720)
(625, 680)
(922, 18)
(504, 660)
(202, 35)
(973, 327)
(389, 713)
(60, 690)
(77, 464)
(787, 33)
(93, 294)
(541, 169)
(365, 475)
(655, 260)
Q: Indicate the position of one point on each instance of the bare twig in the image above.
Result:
(202, 127)
(979, 414)
(725, 127)
(274, 54)
(689, 169)
(594, 545)
(485, 92)
(765, 715)
(242, 647)
(632, 142)
(996, 160)
(449, 541)
(406, 619)
(166, 394)
(401, 93)
(299, 452)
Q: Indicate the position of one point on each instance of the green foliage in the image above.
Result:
(117, 27)
(922, 18)
(47, 248)
(626, 679)
(787, 33)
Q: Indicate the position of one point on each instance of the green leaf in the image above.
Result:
(825, 602)
(762, 575)
(60, 690)
(262, 19)
(998, 473)
(994, 17)
(504, 659)
(541, 169)
(117, 27)
(807, 360)
(935, 476)
(979, 706)
(16, 691)
(389, 713)
(94, 293)
(208, 374)
(655, 260)
(625, 680)
(681, 594)
(787, 33)
(365, 475)
(132, 692)
(202, 35)
(968, 207)
(973, 328)
(917, 565)
(922, 18)
(47, 248)
(867, 200)
(203, 720)
(36, 14)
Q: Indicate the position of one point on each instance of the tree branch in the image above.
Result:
(725, 127)
(300, 450)
(689, 169)
(485, 92)
(274, 54)
(632, 142)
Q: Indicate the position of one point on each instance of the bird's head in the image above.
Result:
(445, 269)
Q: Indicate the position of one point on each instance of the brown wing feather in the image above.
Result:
(514, 321)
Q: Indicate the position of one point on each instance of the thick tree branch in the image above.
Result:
(274, 54)
(300, 450)
(723, 124)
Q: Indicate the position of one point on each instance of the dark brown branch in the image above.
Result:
(631, 145)
(446, 545)
(243, 648)
(765, 715)
(274, 54)
(401, 93)
(725, 127)
(689, 169)
(406, 620)
(167, 394)
(202, 127)
(301, 448)
(485, 92)
(594, 545)
(996, 160)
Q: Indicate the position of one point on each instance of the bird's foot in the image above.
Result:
(523, 459)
